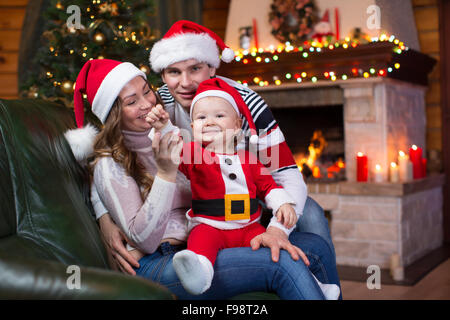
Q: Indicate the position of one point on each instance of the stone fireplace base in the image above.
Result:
(371, 221)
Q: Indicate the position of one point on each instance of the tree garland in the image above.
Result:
(292, 20)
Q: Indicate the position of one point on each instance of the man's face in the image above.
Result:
(182, 79)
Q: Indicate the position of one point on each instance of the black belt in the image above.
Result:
(216, 207)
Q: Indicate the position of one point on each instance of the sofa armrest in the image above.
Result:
(22, 278)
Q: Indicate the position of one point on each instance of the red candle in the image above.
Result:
(415, 155)
(255, 33)
(336, 20)
(362, 170)
(424, 167)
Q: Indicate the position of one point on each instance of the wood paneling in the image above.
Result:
(13, 3)
(11, 19)
(12, 13)
(9, 85)
(10, 40)
(444, 19)
(215, 15)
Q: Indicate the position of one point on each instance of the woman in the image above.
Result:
(139, 185)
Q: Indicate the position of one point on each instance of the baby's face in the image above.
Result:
(215, 121)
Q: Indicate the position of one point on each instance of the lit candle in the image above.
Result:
(415, 154)
(362, 171)
(378, 174)
(394, 172)
(405, 167)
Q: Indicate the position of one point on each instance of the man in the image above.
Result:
(187, 55)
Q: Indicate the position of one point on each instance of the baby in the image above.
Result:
(226, 184)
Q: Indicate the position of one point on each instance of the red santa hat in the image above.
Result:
(189, 40)
(216, 87)
(101, 80)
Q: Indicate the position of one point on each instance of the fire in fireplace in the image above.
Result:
(316, 138)
(314, 167)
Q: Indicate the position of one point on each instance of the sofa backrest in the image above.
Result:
(44, 191)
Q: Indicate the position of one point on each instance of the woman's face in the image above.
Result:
(136, 99)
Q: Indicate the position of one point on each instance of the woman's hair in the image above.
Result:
(110, 143)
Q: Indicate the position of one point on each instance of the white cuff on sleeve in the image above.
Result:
(276, 198)
(276, 224)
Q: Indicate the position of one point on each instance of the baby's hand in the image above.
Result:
(286, 215)
(157, 117)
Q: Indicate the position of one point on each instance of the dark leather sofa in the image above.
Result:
(47, 230)
(46, 224)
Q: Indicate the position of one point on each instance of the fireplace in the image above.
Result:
(378, 116)
(315, 136)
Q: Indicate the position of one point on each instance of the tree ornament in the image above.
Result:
(67, 86)
(99, 38)
(145, 69)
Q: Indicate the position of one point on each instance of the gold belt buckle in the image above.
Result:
(229, 198)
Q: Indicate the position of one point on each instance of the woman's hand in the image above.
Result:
(276, 239)
(167, 154)
(115, 239)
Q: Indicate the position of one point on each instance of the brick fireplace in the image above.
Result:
(381, 115)
(371, 221)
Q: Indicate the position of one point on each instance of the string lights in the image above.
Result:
(309, 49)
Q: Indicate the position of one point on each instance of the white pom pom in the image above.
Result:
(227, 55)
(254, 139)
(81, 141)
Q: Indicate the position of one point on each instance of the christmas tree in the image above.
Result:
(76, 31)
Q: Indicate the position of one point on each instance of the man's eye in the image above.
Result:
(147, 92)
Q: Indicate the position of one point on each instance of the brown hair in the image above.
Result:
(110, 143)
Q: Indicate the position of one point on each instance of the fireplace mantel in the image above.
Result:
(414, 66)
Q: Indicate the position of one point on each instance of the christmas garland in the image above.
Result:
(292, 20)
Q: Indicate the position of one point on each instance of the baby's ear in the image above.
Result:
(239, 122)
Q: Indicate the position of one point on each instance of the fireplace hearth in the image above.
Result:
(377, 116)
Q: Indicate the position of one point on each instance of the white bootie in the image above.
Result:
(194, 271)
(330, 291)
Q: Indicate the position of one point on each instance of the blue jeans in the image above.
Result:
(313, 220)
(242, 270)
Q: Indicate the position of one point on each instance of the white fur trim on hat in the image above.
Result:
(111, 86)
(227, 55)
(215, 93)
(81, 141)
(184, 46)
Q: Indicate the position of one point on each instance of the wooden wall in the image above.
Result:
(12, 13)
(427, 21)
(215, 14)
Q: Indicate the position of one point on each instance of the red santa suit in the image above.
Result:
(225, 191)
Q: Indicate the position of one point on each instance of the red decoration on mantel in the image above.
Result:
(362, 169)
(415, 154)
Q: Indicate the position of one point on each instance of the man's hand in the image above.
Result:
(157, 117)
(115, 239)
(276, 239)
